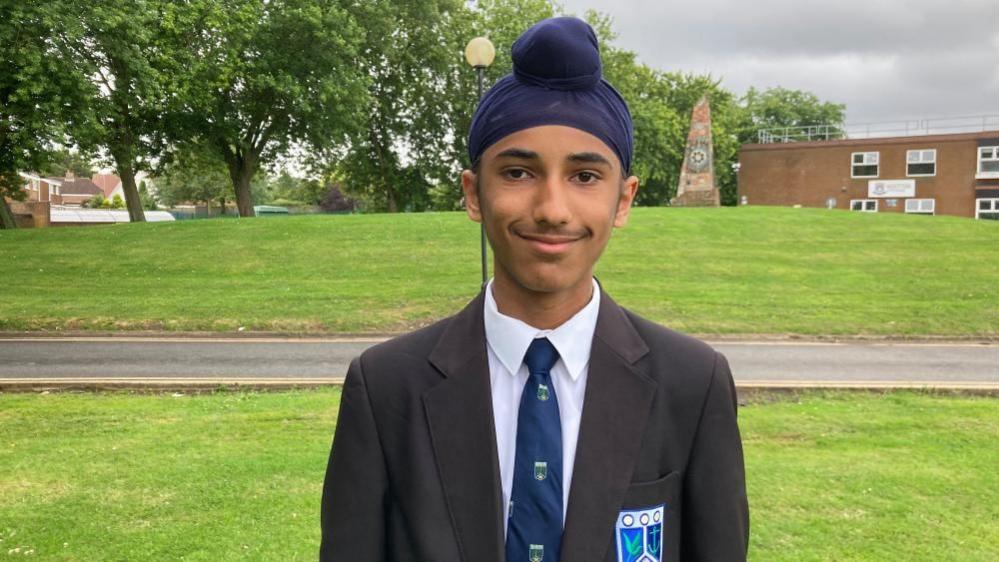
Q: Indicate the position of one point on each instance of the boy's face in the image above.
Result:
(549, 197)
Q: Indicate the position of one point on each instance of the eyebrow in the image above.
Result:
(589, 157)
(521, 153)
(585, 157)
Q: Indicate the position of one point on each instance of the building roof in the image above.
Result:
(107, 183)
(875, 141)
(78, 186)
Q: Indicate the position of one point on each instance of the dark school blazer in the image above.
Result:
(413, 471)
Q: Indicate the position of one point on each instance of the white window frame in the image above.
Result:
(994, 158)
(919, 160)
(864, 203)
(918, 204)
(876, 161)
(993, 201)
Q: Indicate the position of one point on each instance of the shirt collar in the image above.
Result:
(509, 337)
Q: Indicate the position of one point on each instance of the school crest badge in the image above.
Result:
(536, 552)
(543, 394)
(639, 534)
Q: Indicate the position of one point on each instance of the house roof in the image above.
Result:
(78, 186)
(107, 182)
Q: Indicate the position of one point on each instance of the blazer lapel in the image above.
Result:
(459, 413)
(616, 404)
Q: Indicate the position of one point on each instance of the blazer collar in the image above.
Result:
(459, 412)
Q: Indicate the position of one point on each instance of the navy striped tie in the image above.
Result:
(534, 529)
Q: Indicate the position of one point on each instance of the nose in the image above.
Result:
(551, 202)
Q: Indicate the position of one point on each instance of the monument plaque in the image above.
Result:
(697, 175)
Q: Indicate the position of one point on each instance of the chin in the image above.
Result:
(547, 278)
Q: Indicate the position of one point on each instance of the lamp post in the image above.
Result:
(480, 53)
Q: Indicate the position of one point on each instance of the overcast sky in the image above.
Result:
(885, 59)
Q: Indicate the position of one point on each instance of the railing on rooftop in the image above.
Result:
(934, 126)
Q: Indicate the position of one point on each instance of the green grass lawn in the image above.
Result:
(749, 270)
(238, 476)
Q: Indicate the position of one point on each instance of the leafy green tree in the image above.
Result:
(119, 49)
(37, 93)
(267, 77)
(396, 156)
(776, 108)
(147, 198)
(193, 173)
(64, 160)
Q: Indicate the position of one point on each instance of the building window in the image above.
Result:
(920, 206)
(921, 162)
(865, 165)
(864, 205)
(987, 208)
(988, 162)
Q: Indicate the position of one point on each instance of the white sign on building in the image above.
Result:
(891, 188)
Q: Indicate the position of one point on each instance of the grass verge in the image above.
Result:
(748, 270)
(238, 476)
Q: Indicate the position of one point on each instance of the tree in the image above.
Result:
(193, 173)
(269, 76)
(776, 108)
(65, 160)
(393, 160)
(36, 94)
(119, 50)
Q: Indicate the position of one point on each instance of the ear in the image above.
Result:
(468, 187)
(629, 188)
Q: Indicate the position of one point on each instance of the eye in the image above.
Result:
(516, 174)
(587, 177)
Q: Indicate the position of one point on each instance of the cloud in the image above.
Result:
(886, 59)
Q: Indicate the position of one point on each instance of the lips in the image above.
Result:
(549, 243)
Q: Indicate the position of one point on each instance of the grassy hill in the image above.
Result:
(749, 270)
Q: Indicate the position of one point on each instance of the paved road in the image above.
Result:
(313, 359)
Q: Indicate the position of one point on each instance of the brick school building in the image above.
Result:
(932, 174)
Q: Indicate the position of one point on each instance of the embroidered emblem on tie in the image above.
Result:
(540, 470)
(543, 392)
(537, 552)
(639, 534)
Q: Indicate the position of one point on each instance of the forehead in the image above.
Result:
(553, 143)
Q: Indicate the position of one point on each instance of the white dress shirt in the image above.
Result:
(508, 339)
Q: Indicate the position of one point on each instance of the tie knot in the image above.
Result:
(541, 356)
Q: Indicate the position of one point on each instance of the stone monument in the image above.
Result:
(697, 175)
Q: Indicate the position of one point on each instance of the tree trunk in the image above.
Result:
(244, 200)
(241, 170)
(393, 206)
(6, 215)
(222, 206)
(132, 200)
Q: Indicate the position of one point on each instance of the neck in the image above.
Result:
(542, 310)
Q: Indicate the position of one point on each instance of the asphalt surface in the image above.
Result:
(325, 360)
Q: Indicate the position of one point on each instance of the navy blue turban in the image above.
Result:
(556, 80)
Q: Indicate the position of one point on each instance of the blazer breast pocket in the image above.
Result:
(647, 526)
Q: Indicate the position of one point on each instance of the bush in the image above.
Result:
(336, 202)
(95, 202)
(117, 202)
